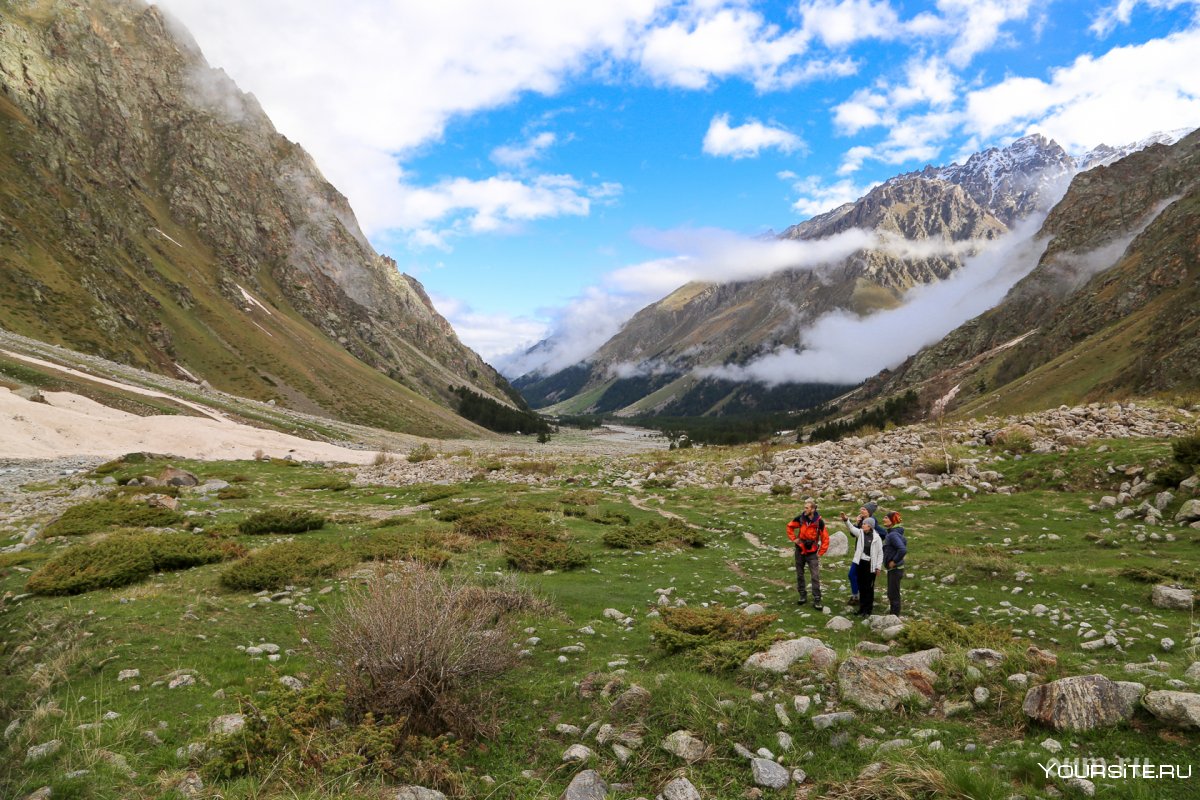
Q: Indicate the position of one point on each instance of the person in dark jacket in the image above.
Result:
(811, 540)
(895, 548)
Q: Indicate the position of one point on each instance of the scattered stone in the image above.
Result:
(781, 655)
(684, 745)
(577, 753)
(986, 656)
(44, 793)
(823, 721)
(1051, 745)
(883, 684)
(414, 793)
(980, 695)
(631, 703)
(1083, 786)
(182, 680)
(291, 682)
(679, 789)
(128, 674)
(38, 752)
(190, 785)
(769, 774)
(587, 785)
(227, 724)
(839, 624)
(1172, 596)
(754, 609)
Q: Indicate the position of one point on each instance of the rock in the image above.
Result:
(769, 774)
(192, 751)
(291, 682)
(631, 703)
(1192, 674)
(164, 501)
(128, 674)
(172, 476)
(587, 785)
(1083, 786)
(577, 753)
(780, 657)
(754, 609)
(182, 680)
(190, 785)
(883, 684)
(1079, 703)
(923, 658)
(684, 745)
(1041, 658)
(839, 624)
(414, 793)
(823, 721)
(1176, 709)
(566, 729)
(1172, 597)
(44, 793)
(980, 695)
(10, 730)
(985, 656)
(227, 724)
(894, 744)
(1051, 745)
(839, 545)
(38, 752)
(1188, 512)
(679, 789)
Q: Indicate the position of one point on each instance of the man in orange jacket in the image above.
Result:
(811, 540)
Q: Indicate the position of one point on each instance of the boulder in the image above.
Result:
(1176, 709)
(684, 745)
(839, 545)
(781, 655)
(577, 753)
(39, 751)
(986, 656)
(1172, 597)
(587, 785)
(227, 724)
(839, 624)
(414, 793)
(883, 684)
(1079, 703)
(823, 721)
(173, 476)
(1188, 512)
(769, 774)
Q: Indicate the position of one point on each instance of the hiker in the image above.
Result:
(868, 560)
(866, 511)
(811, 540)
(895, 548)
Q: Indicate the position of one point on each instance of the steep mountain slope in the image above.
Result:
(1112, 308)
(150, 213)
(649, 365)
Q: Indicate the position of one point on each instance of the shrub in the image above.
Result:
(100, 515)
(783, 489)
(136, 489)
(424, 649)
(715, 639)
(659, 483)
(401, 546)
(1187, 450)
(541, 552)
(233, 493)
(500, 523)
(278, 565)
(580, 497)
(328, 484)
(384, 457)
(655, 531)
(943, 632)
(535, 467)
(279, 520)
(422, 452)
(122, 559)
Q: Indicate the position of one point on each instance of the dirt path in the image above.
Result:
(754, 541)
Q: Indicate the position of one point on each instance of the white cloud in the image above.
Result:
(841, 347)
(838, 23)
(927, 81)
(1118, 97)
(1120, 13)
(852, 159)
(743, 141)
(817, 197)
(518, 156)
(490, 335)
(978, 24)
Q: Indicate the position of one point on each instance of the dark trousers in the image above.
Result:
(814, 568)
(895, 575)
(866, 588)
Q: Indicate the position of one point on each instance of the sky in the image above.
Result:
(548, 167)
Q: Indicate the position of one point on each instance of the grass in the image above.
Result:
(55, 673)
(100, 515)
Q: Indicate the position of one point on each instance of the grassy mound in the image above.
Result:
(278, 565)
(715, 639)
(280, 520)
(540, 552)
(96, 516)
(653, 532)
(122, 559)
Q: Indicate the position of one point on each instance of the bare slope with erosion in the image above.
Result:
(150, 213)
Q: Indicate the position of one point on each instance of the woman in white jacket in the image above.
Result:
(868, 561)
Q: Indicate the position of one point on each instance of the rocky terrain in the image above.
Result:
(150, 213)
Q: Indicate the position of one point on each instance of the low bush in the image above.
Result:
(653, 532)
(233, 493)
(500, 523)
(96, 516)
(540, 552)
(781, 489)
(1187, 450)
(125, 558)
(610, 518)
(412, 545)
(714, 639)
(580, 497)
(280, 520)
(328, 484)
(421, 452)
(278, 565)
(534, 467)
(423, 649)
(435, 493)
(136, 489)
(659, 483)
(943, 632)
(304, 734)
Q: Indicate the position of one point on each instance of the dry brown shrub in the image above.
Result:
(420, 646)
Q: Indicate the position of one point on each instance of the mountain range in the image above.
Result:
(150, 213)
(706, 348)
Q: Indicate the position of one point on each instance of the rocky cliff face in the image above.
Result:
(150, 212)
(707, 325)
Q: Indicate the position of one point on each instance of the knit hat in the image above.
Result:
(870, 507)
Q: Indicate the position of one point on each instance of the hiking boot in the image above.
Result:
(802, 601)
(853, 600)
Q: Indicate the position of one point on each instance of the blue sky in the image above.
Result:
(550, 167)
